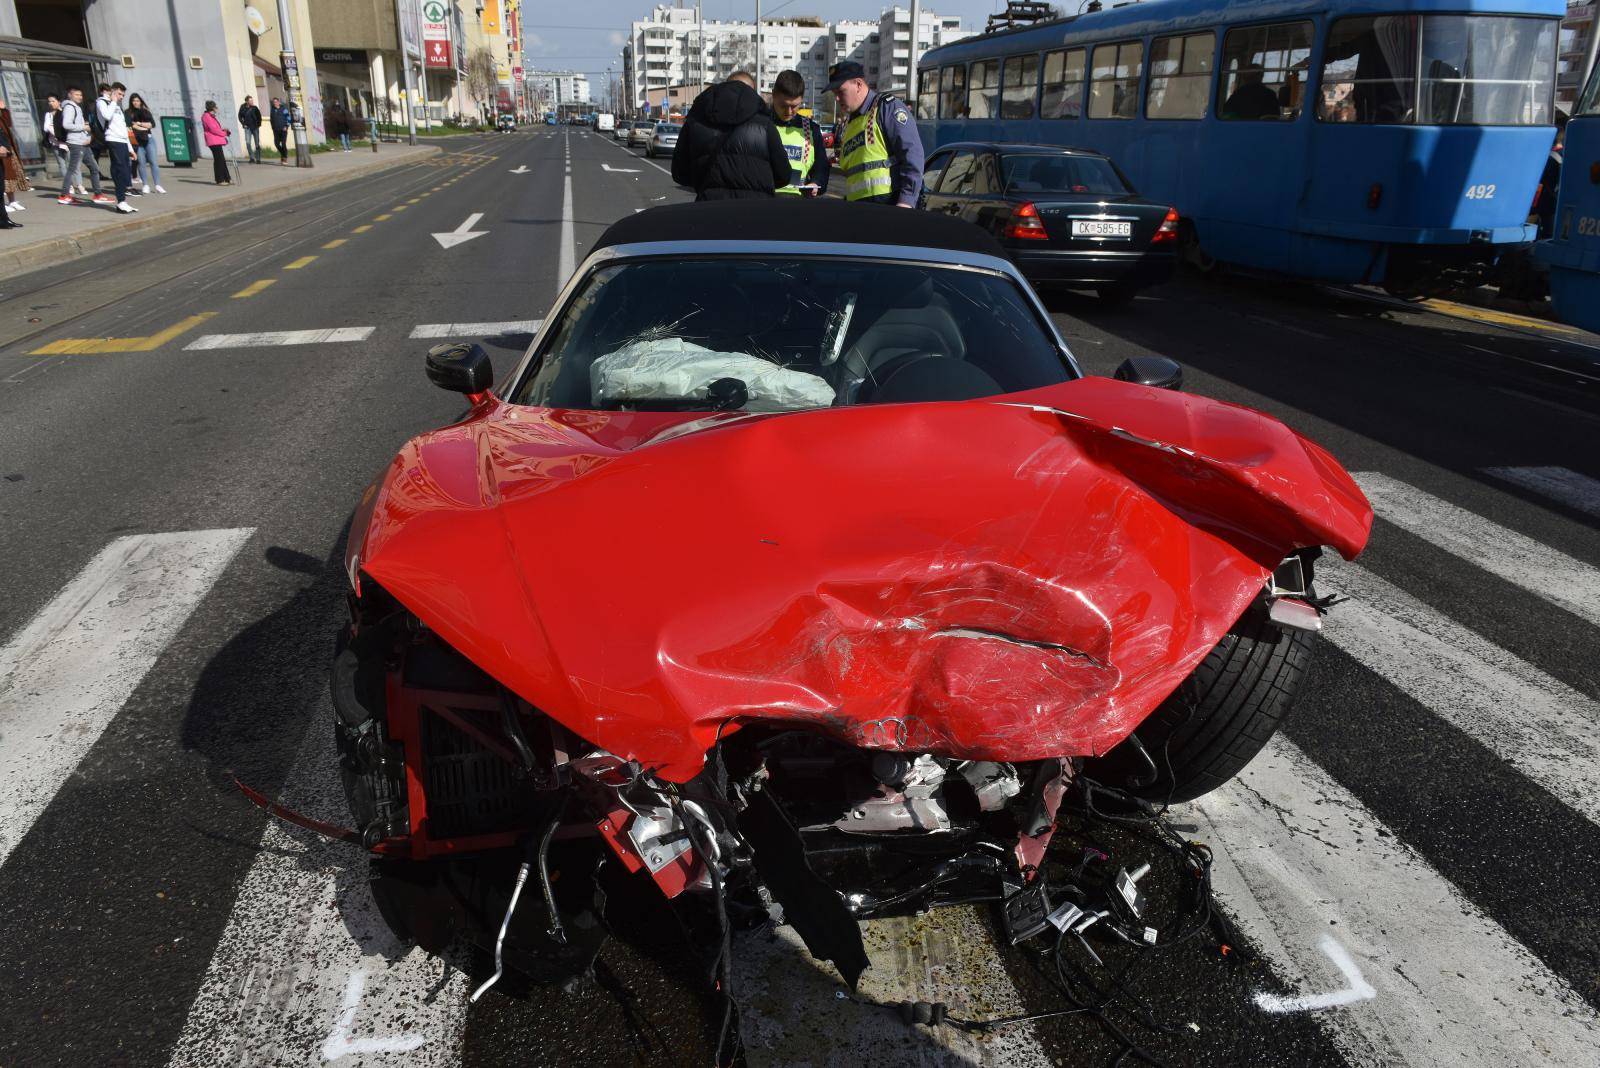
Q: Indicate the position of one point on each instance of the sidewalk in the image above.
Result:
(56, 233)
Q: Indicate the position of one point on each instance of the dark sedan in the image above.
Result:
(1067, 216)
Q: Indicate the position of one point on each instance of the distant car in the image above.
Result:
(664, 139)
(1067, 216)
(549, 120)
(639, 136)
(506, 123)
(605, 122)
(620, 131)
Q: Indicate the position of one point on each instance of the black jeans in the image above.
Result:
(121, 168)
(219, 163)
(280, 134)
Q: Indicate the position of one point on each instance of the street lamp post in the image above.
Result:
(291, 85)
(405, 66)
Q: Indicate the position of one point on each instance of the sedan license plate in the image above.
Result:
(1101, 228)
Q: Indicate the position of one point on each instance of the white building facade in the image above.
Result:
(672, 48)
(551, 89)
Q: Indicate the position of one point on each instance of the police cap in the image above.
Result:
(840, 73)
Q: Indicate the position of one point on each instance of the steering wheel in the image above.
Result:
(863, 389)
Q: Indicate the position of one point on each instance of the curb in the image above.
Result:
(59, 250)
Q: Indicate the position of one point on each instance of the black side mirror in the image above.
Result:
(460, 368)
(1157, 371)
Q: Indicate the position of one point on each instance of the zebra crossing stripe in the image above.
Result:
(68, 672)
(270, 338)
(1535, 723)
(1298, 859)
(306, 963)
(1542, 571)
(1557, 483)
(453, 330)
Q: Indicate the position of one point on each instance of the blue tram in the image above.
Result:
(1397, 142)
(1573, 251)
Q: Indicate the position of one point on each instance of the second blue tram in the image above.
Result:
(1573, 251)
(1397, 142)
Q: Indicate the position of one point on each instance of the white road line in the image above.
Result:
(1557, 483)
(271, 338)
(439, 330)
(1298, 857)
(565, 263)
(306, 967)
(784, 997)
(66, 674)
(1542, 571)
(1535, 723)
(641, 159)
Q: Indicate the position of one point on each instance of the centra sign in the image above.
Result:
(340, 55)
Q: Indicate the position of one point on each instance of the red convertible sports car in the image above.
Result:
(809, 572)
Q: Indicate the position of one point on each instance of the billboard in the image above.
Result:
(491, 16)
(436, 35)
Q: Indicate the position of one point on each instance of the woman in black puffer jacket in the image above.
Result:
(729, 149)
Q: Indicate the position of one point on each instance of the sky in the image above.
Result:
(588, 35)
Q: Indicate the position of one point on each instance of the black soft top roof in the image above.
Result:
(794, 219)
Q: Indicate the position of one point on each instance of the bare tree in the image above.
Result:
(482, 77)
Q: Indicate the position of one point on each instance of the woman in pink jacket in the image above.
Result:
(217, 142)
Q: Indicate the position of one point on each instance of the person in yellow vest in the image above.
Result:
(880, 151)
(802, 138)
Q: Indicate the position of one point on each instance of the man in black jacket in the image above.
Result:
(729, 149)
(250, 123)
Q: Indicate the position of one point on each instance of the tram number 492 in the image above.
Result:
(1480, 192)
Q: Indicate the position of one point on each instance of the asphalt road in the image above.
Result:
(1416, 855)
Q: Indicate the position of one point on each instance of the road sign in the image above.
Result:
(436, 53)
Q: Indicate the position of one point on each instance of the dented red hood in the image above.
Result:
(1010, 579)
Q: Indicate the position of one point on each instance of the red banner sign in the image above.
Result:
(436, 55)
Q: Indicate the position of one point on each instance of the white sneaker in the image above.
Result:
(160, 190)
(13, 207)
(81, 191)
(126, 208)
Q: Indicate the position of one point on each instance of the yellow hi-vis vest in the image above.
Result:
(797, 143)
(864, 157)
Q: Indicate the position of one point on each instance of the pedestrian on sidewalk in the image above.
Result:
(72, 123)
(142, 132)
(47, 122)
(119, 151)
(8, 159)
(250, 123)
(729, 148)
(16, 179)
(217, 142)
(280, 129)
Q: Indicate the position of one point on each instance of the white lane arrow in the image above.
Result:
(521, 170)
(617, 170)
(1357, 990)
(462, 233)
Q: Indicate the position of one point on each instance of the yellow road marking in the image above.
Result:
(1485, 315)
(380, 218)
(253, 288)
(398, 207)
(299, 263)
(363, 228)
(414, 200)
(335, 243)
(98, 345)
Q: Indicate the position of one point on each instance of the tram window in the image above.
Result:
(1368, 70)
(983, 90)
(1265, 70)
(1062, 97)
(1114, 80)
(953, 92)
(1490, 70)
(927, 94)
(1180, 76)
(959, 176)
(1019, 84)
(1589, 102)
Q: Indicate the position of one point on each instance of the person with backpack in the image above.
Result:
(729, 148)
(47, 123)
(73, 129)
(281, 118)
(114, 123)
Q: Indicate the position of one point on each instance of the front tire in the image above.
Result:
(1218, 719)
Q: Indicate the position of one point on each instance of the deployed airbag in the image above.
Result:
(674, 369)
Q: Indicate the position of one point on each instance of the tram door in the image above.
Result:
(1258, 145)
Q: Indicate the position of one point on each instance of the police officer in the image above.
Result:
(802, 138)
(880, 150)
